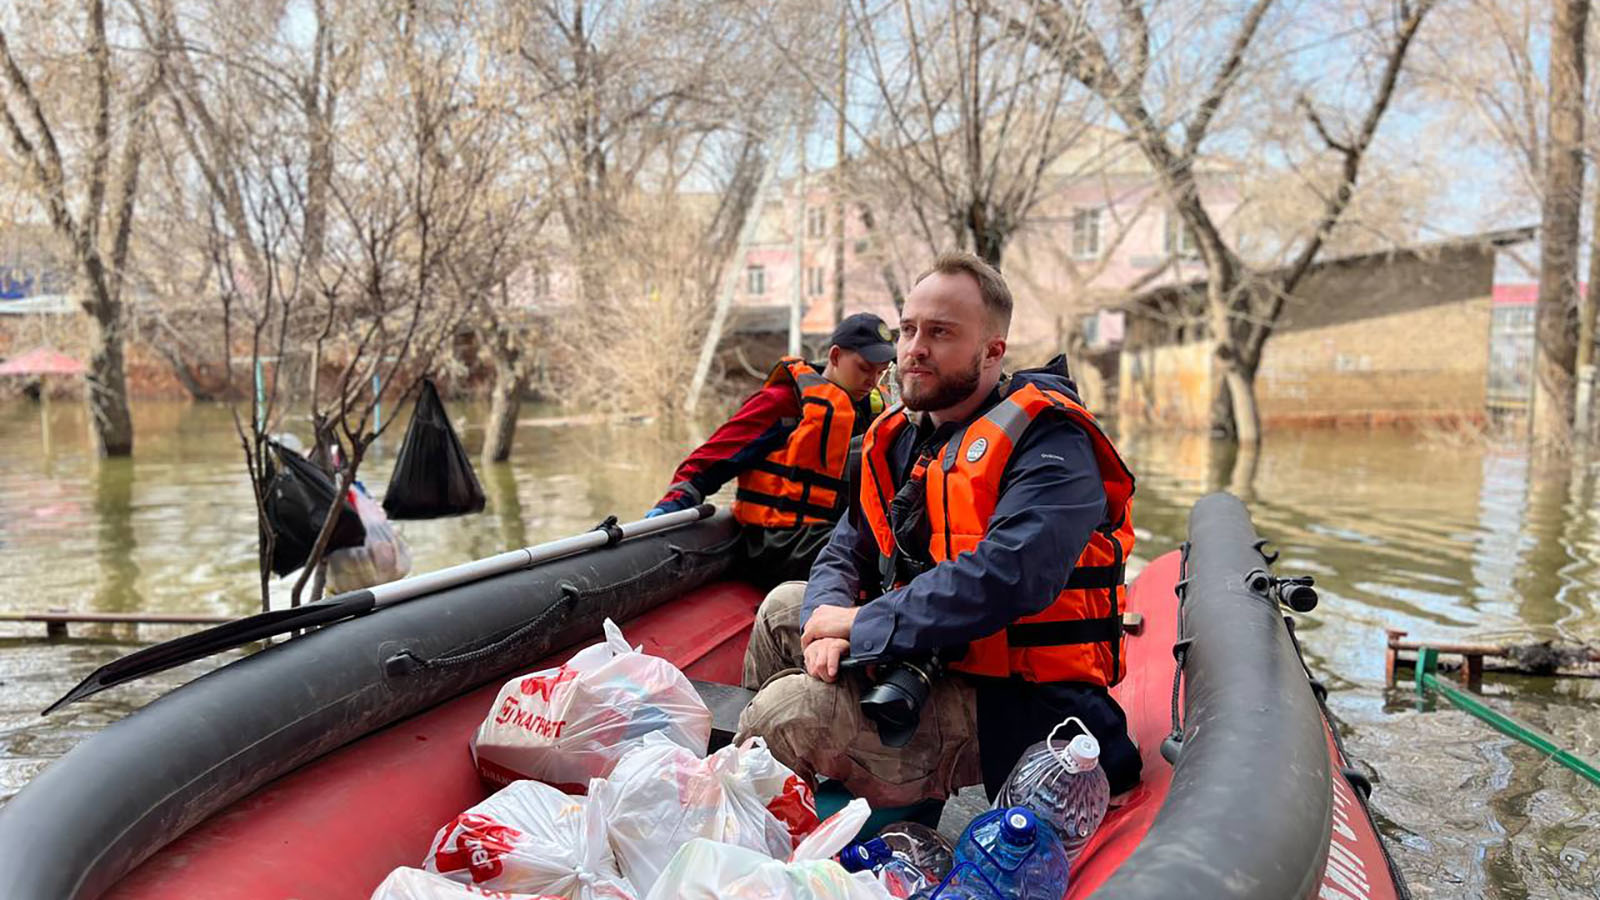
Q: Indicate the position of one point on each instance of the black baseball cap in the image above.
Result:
(867, 335)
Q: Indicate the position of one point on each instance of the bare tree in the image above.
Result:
(648, 123)
(341, 226)
(1109, 48)
(83, 167)
(1556, 351)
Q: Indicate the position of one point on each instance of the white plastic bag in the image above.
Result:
(381, 558)
(406, 883)
(706, 870)
(786, 795)
(660, 796)
(531, 838)
(565, 726)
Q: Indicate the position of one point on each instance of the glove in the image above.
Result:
(654, 511)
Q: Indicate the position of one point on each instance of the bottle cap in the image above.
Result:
(1084, 752)
(865, 855)
(1017, 825)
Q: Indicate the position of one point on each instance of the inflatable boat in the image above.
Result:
(314, 767)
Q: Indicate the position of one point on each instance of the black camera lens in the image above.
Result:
(894, 704)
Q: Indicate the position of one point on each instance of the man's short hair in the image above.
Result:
(991, 285)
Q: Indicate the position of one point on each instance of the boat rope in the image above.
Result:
(1180, 652)
(405, 661)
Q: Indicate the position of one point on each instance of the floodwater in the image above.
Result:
(1448, 540)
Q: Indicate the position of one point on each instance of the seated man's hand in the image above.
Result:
(829, 622)
(822, 657)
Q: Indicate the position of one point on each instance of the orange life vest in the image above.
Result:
(1078, 637)
(802, 482)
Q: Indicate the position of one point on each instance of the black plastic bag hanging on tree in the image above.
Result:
(432, 477)
(297, 498)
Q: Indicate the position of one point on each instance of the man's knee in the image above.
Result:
(792, 714)
(775, 636)
(781, 607)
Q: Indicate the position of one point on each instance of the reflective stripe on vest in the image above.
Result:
(802, 482)
(1078, 637)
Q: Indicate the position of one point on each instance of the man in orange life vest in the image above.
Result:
(789, 446)
(990, 529)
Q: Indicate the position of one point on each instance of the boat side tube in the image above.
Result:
(1250, 808)
(122, 794)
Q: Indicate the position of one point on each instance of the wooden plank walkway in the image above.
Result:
(56, 621)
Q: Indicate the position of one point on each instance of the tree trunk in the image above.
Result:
(1222, 422)
(1583, 416)
(1556, 351)
(1246, 414)
(108, 384)
(1224, 353)
(503, 410)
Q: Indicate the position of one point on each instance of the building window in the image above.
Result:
(1178, 240)
(540, 288)
(816, 279)
(755, 280)
(1085, 233)
(816, 222)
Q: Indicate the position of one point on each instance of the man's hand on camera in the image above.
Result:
(823, 655)
(829, 622)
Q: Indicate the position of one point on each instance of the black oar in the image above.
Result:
(229, 635)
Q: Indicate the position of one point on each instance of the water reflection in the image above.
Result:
(500, 484)
(1447, 542)
(115, 543)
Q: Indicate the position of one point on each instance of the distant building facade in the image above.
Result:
(1100, 229)
(1401, 336)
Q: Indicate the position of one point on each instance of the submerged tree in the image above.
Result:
(342, 225)
(1555, 355)
(81, 157)
(1115, 51)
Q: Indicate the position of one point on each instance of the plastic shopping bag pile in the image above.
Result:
(567, 725)
(611, 796)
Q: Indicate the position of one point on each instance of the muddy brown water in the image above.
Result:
(1446, 540)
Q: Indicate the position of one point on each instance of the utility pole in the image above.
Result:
(838, 168)
(797, 299)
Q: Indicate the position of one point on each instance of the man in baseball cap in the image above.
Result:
(867, 335)
(789, 447)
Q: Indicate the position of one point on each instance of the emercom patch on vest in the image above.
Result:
(976, 451)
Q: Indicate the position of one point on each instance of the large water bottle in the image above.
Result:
(1062, 782)
(1016, 853)
(921, 846)
(898, 876)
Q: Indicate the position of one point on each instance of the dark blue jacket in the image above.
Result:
(1051, 500)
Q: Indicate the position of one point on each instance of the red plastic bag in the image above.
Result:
(531, 838)
(566, 726)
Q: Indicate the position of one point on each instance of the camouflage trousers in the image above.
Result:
(817, 728)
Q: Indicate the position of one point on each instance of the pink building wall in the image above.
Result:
(1051, 287)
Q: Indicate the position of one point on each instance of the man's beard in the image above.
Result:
(945, 392)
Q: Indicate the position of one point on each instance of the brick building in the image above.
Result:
(1389, 337)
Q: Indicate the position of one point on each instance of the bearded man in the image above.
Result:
(985, 546)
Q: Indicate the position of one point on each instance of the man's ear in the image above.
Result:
(834, 352)
(995, 350)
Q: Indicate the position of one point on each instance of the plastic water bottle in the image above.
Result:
(1063, 784)
(899, 877)
(922, 847)
(1017, 854)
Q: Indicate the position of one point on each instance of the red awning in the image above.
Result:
(42, 361)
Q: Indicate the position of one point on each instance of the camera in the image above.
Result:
(895, 699)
